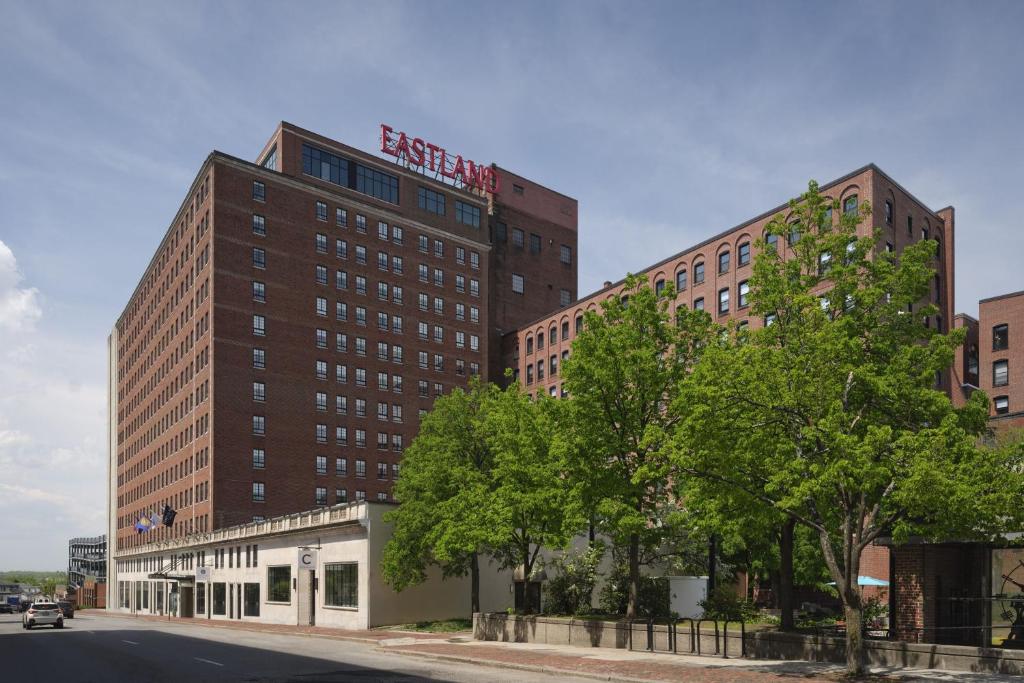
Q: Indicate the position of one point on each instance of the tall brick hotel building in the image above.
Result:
(302, 312)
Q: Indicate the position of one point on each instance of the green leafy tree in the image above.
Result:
(623, 378)
(444, 494)
(527, 506)
(830, 414)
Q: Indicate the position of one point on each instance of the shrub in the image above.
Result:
(725, 605)
(654, 600)
(570, 590)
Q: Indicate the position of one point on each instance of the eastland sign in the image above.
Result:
(428, 156)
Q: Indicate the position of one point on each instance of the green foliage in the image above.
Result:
(830, 415)
(623, 378)
(571, 580)
(479, 479)
(723, 604)
(654, 597)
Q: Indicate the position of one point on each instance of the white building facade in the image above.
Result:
(312, 568)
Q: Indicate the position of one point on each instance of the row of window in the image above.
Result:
(259, 495)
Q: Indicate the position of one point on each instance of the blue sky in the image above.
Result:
(667, 121)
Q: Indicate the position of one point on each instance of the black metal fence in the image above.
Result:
(664, 636)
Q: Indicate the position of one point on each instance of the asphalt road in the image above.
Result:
(122, 649)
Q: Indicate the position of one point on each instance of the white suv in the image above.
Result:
(43, 613)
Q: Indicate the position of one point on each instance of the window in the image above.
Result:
(259, 458)
(259, 258)
(259, 191)
(382, 231)
(341, 217)
(438, 277)
(474, 260)
(474, 287)
(321, 464)
(397, 234)
(340, 311)
(794, 233)
(321, 275)
(258, 492)
(252, 599)
(698, 305)
(723, 262)
(659, 287)
(565, 255)
(321, 433)
(438, 248)
(324, 165)
(518, 238)
(341, 279)
(698, 273)
(360, 223)
(824, 262)
(321, 243)
(534, 243)
(361, 468)
(341, 467)
(1000, 373)
(321, 495)
(888, 212)
(279, 584)
(259, 292)
(744, 294)
(341, 584)
(377, 183)
(360, 288)
(723, 301)
(467, 214)
(219, 597)
(518, 284)
(850, 205)
(1001, 337)
(744, 253)
(321, 211)
(259, 359)
(910, 226)
(423, 272)
(564, 297)
(341, 404)
(341, 249)
(771, 242)
(321, 306)
(259, 225)
(361, 254)
(259, 425)
(259, 391)
(1001, 404)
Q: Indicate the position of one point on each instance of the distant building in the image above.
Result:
(87, 556)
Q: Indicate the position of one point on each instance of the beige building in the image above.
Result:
(320, 567)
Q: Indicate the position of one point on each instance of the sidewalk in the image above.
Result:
(598, 663)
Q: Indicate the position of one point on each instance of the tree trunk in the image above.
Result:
(785, 601)
(474, 572)
(634, 576)
(854, 638)
(712, 564)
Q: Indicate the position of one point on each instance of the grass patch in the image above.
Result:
(441, 626)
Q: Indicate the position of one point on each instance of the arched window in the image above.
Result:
(850, 205)
(681, 280)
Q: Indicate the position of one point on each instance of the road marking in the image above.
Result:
(130, 642)
(207, 661)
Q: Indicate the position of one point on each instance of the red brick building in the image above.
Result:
(298, 316)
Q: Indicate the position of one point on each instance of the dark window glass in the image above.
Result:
(518, 237)
(279, 584)
(850, 205)
(252, 600)
(467, 214)
(324, 165)
(534, 243)
(219, 598)
(888, 212)
(772, 242)
(377, 183)
(565, 255)
(698, 273)
(500, 233)
(680, 280)
(744, 250)
(723, 262)
(1001, 404)
(341, 584)
(431, 201)
(1000, 337)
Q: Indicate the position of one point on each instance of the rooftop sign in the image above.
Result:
(429, 159)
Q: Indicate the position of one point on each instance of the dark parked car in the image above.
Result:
(6, 609)
(67, 608)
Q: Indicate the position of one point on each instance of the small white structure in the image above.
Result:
(312, 568)
(686, 594)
